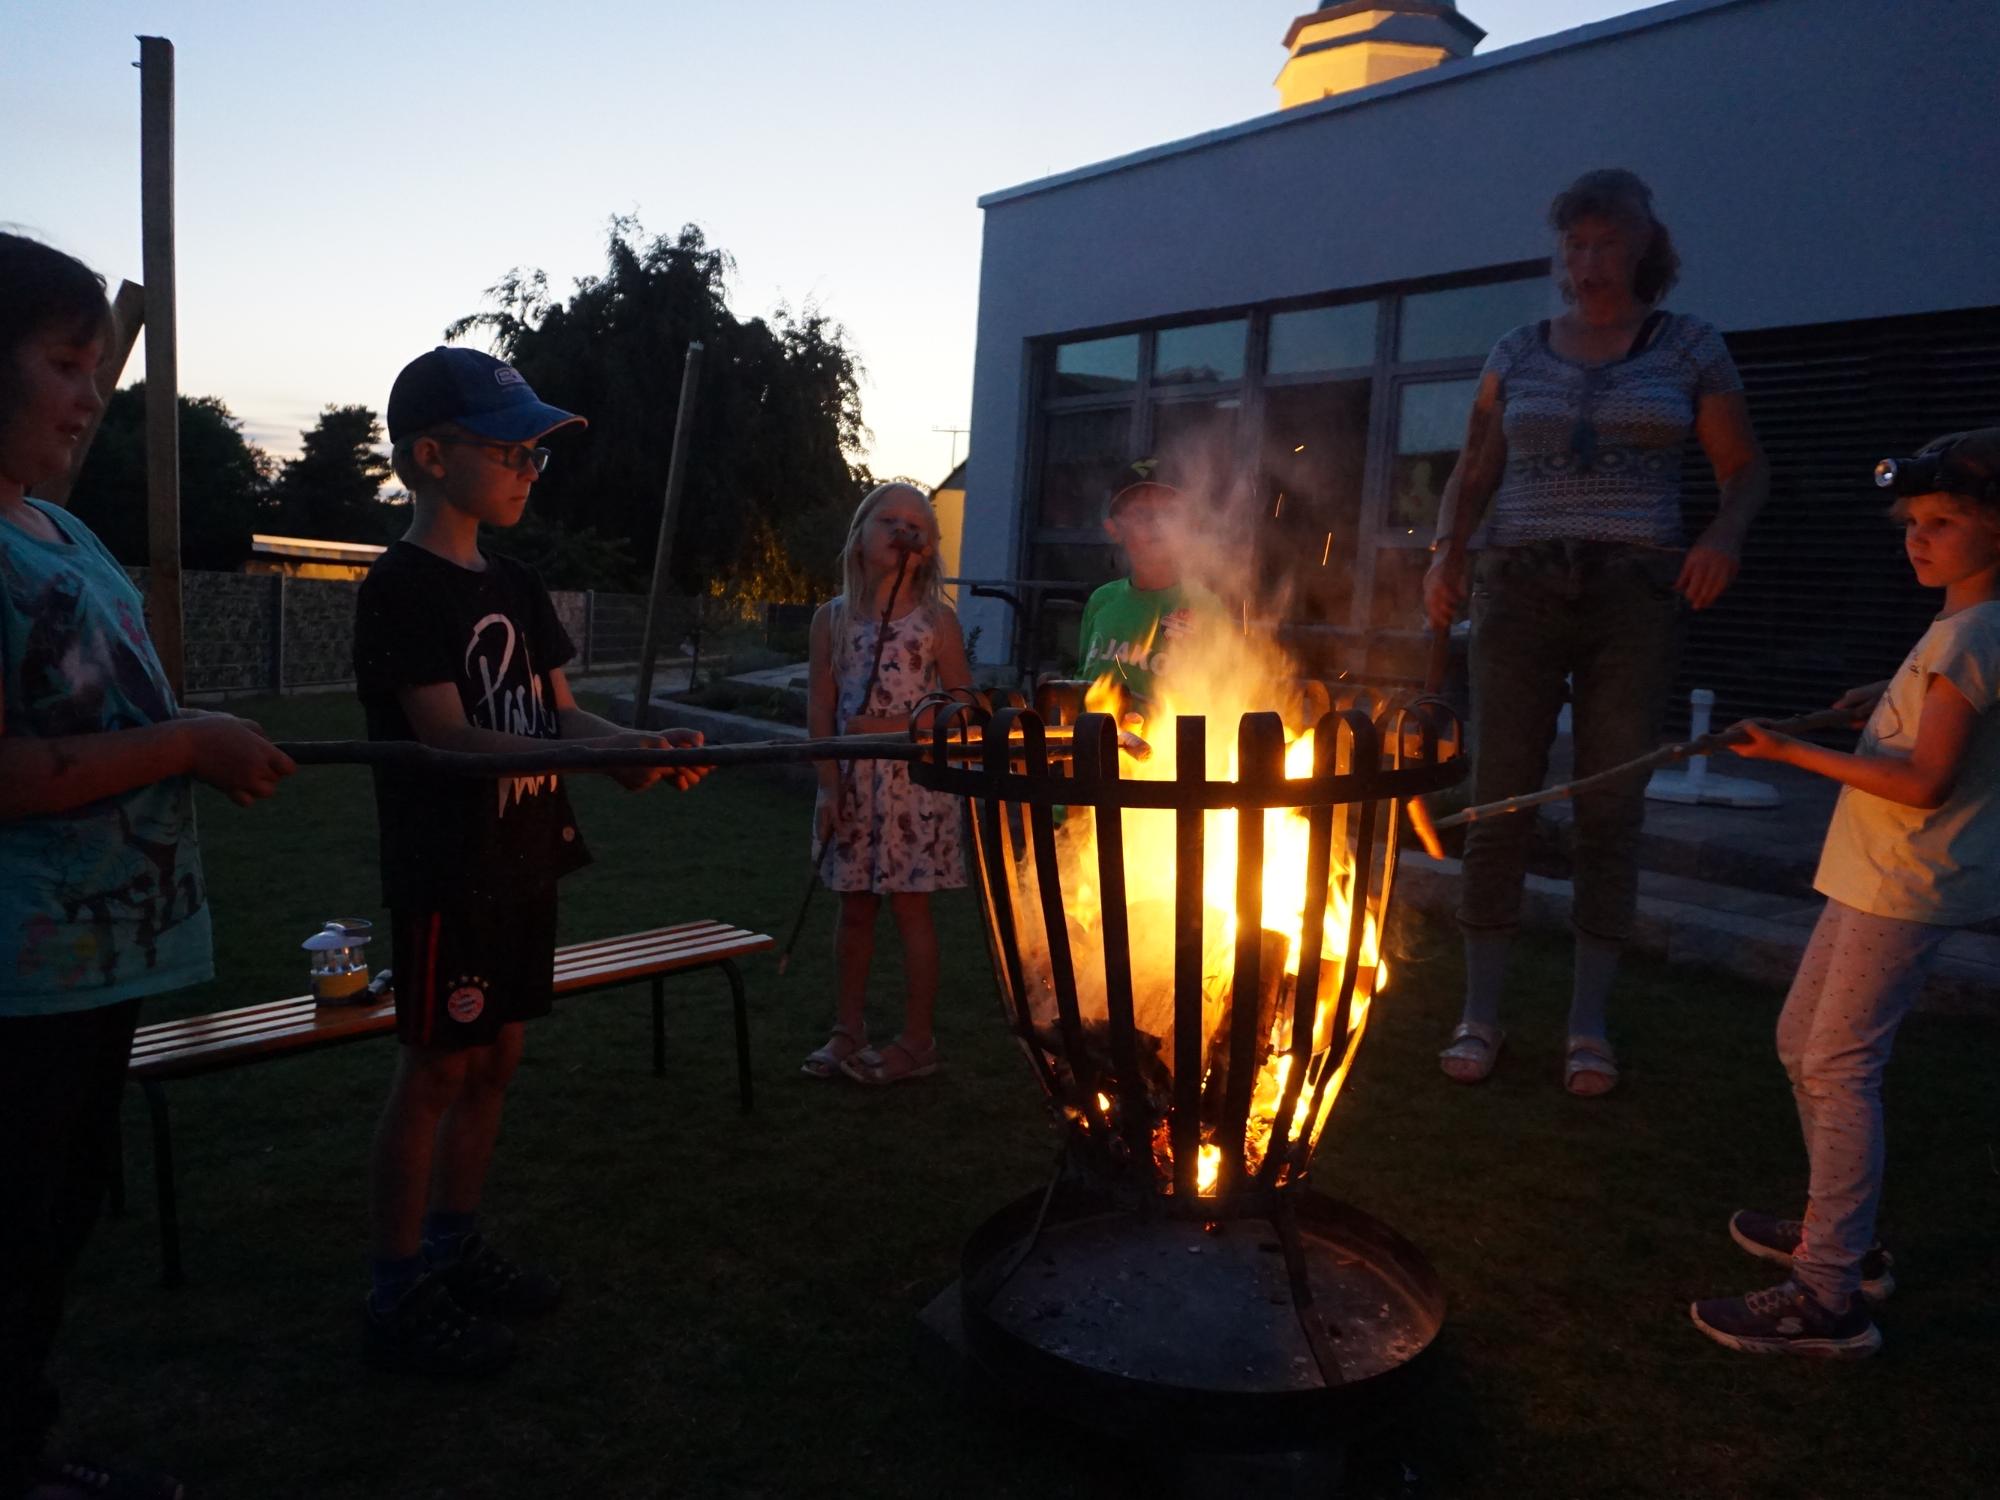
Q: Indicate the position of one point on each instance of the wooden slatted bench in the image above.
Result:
(222, 1040)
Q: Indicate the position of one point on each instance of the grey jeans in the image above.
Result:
(1604, 615)
(1859, 977)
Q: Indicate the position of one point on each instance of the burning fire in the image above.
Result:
(1221, 674)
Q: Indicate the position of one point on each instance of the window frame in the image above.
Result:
(1385, 373)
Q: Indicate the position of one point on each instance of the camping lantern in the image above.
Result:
(339, 962)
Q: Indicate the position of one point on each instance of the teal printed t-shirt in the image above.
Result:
(105, 902)
(1129, 632)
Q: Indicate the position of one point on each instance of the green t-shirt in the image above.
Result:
(1129, 632)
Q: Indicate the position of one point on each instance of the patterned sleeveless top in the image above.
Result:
(1594, 452)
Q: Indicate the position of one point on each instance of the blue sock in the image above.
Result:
(391, 1278)
(1596, 967)
(1485, 973)
(445, 1234)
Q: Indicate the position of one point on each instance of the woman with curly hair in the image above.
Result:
(1562, 523)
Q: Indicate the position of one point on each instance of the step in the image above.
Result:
(1755, 935)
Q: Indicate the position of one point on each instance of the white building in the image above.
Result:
(1315, 290)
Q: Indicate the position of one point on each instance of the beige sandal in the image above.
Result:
(1472, 1052)
(832, 1056)
(1590, 1069)
(894, 1063)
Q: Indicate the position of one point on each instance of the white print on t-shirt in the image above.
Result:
(515, 710)
(1141, 654)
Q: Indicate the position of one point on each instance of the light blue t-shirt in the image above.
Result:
(105, 902)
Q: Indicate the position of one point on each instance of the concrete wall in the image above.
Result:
(1817, 160)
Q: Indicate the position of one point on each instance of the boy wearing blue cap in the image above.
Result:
(462, 650)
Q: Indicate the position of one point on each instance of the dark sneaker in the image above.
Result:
(428, 1333)
(100, 1483)
(1784, 1319)
(485, 1282)
(1770, 1238)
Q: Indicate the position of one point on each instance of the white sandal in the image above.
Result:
(882, 1067)
(830, 1058)
(1475, 1047)
(1590, 1057)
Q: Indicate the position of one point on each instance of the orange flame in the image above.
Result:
(1222, 675)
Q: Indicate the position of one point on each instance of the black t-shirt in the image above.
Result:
(448, 840)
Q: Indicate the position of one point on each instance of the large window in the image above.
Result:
(1462, 322)
(1205, 353)
(1321, 338)
(1430, 428)
(1334, 425)
(1097, 367)
(1315, 451)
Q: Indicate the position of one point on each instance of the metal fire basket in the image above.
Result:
(1193, 1073)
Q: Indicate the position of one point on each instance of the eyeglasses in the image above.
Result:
(513, 456)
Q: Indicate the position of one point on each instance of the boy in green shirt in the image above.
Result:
(1130, 624)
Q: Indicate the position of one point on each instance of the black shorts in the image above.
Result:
(461, 975)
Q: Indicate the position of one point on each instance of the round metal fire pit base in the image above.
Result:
(1189, 1333)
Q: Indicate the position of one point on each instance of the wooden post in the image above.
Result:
(128, 316)
(276, 684)
(649, 642)
(163, 439)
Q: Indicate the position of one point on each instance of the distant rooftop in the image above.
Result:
(311, 549)
(1442, 76)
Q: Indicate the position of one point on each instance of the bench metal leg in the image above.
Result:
(735, 974)
(659, 1026)
(163, 1173)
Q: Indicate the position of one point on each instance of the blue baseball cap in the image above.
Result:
(470, 390)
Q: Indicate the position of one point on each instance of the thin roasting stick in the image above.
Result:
(408, 755)
(1666, 755)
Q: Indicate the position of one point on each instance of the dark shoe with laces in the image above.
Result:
(1785, 1319)
(1770, 1238)
(429, 1333)
(79, 1476)
(484, 1282)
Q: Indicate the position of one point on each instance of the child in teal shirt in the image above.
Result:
(101, 895)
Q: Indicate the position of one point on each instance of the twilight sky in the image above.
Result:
(353, 176)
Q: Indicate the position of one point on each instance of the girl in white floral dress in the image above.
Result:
(876, 834)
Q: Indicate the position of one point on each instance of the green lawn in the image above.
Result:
(743, 1292)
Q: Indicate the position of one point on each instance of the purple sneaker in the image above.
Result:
(1785, 1319)
(1770, 1238)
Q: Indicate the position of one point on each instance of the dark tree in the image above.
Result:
(568, 557)
(777, 421)
(332, 491)
(223, 481)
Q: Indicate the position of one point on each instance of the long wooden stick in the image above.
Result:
(1666, 755)
(408, 755)
(663, 549)
(163, 437)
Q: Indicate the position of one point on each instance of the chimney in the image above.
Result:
(1348, 46)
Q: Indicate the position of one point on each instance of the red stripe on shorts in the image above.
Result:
(431, 976)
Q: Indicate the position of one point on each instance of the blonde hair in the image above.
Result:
(924, 583)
